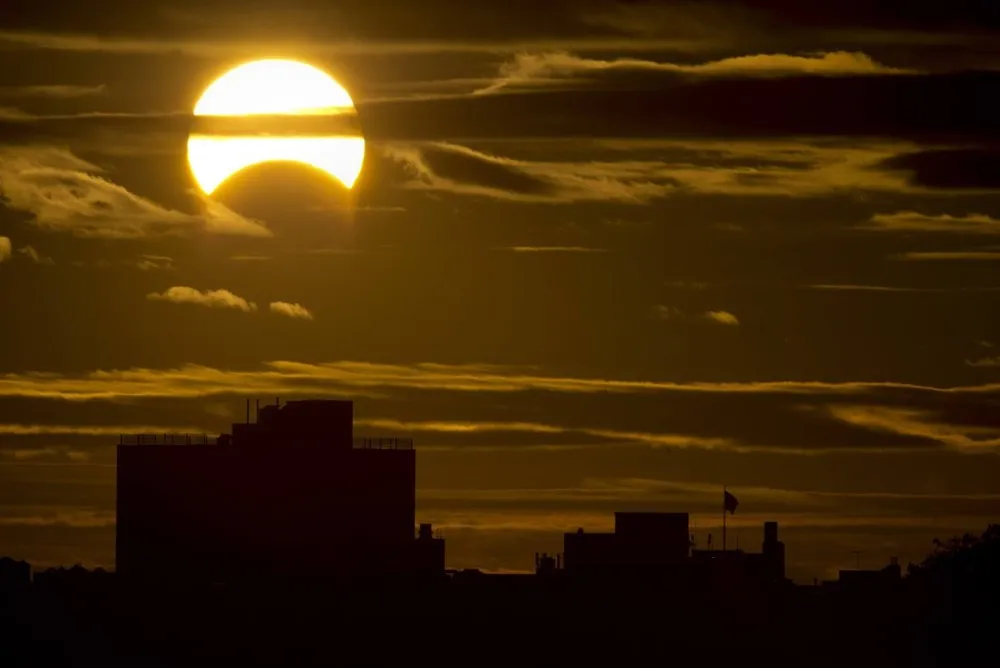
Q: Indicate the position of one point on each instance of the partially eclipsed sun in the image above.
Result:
(246, 115)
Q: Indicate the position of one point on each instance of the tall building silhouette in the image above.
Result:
(293, 493)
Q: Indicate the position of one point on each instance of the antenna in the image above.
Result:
(257, 411)
(857, 558)
(248, 411)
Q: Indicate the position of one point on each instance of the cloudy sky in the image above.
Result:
(602, 256)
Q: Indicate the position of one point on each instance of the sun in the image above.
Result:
(274, 110)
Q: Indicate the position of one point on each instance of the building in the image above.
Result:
(293, 493)
(658, 545)
(640, 541)
(767, 566)
(14, 575)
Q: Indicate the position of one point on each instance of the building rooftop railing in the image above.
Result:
(382, 443)
(362, 443)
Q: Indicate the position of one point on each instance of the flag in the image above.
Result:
(729, 502)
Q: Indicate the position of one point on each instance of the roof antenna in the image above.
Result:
(248, 411)
(257, 411)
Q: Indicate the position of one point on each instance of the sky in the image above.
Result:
(601, 256)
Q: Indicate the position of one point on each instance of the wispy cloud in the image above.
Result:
(65, 193)
(723, 318)
(91, 430)
(12, 114)
(5, 249)
(461, 170)
(22, 455)
(790, 168)
(847, 287)
(210, 298)
(611, 435)
(56, 91)
(559, 67)
(911, 221)
(71, 518)
(948, 255)
(921, 424)
(985, 362)
(153, 262)
(551, 249)
(667, 312)
(673, 313)
(291, 310)
(287, 378)
(35, 256)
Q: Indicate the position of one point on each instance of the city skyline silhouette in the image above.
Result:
(668, 331)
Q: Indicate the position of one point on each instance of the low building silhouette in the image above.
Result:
(14, 575)
(641, 540)
(293, 493)
(656, 547)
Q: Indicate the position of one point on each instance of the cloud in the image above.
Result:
(650, 103)
(91, 430)
(948, 255)
(287, 378)
(672, 313)
(460, 407)
(958, 168)
(667, 312)
(75, 519)
(209, 298)
(559, 67)
(788, 168)
(5, 249)
(14, 115)
(56, 91)
(551, 249)
(153, 262)
(723, 318)
(63, 193)
(610, 435)
(846, 287)
(35, 256)
(20, 455)
(921, 424)
(291, 310)
(911, 221)
(985, 361)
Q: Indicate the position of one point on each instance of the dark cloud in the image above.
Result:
(453, 163)
(651, 104)
(951, 169)
(65, 193)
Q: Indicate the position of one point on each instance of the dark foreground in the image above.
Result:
(484, 621)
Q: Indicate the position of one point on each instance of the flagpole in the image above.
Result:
(723, 518)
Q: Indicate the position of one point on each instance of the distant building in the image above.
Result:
(14, 575)
(657, 546)
(293, 493)
(640, 540)
(869, 581)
